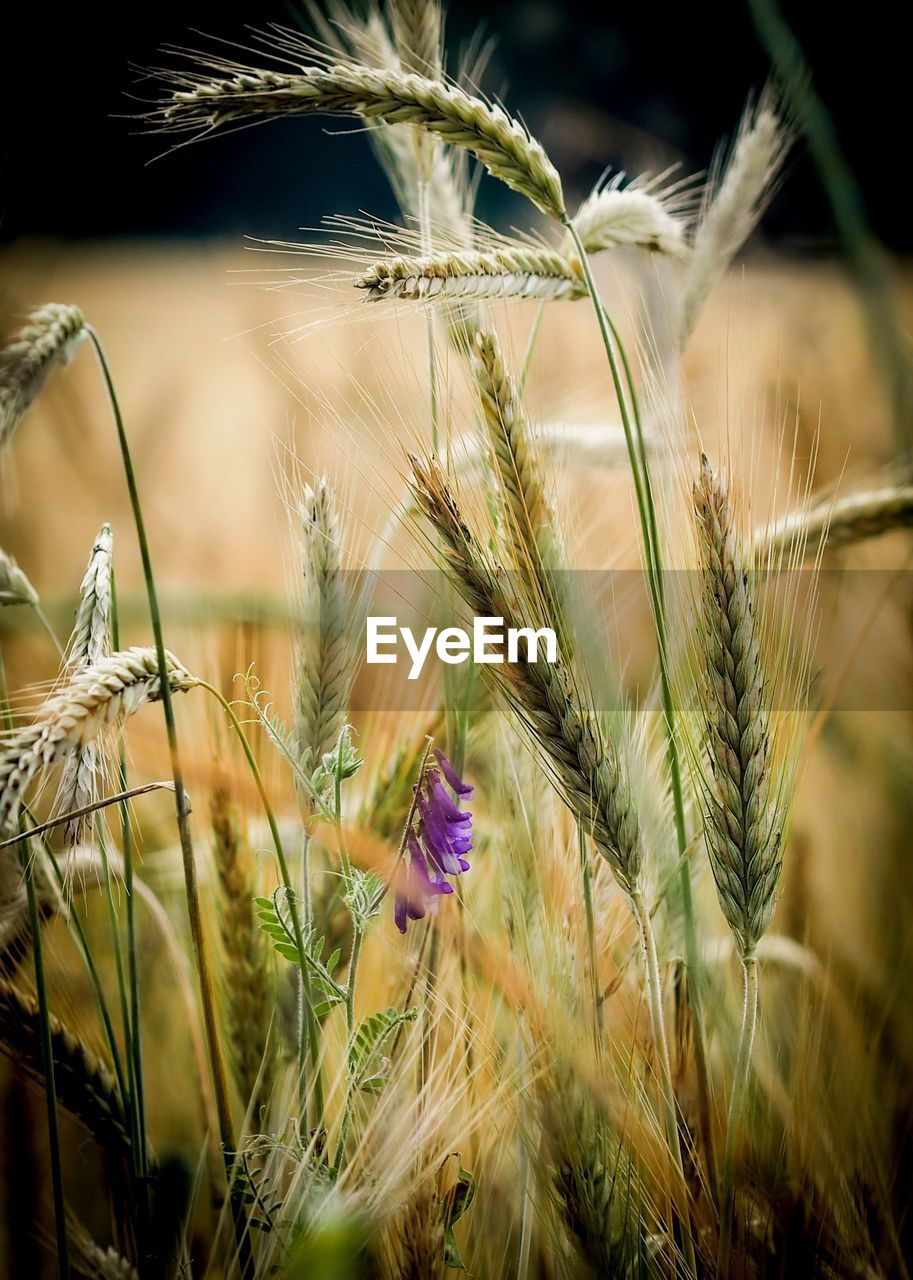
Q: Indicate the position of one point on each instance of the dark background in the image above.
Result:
(634, 85)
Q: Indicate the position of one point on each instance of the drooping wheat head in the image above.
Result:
(838, 523)
(445, 111)
(637, 215)
(84, 1085)
(94, 698)
(15, 587)
(49, 338)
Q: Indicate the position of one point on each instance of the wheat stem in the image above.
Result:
(47, 1060)
(652, 549)
(736, 1107)
(204, 973)
(286, 875)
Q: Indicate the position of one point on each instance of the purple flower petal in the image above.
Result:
(454, 781)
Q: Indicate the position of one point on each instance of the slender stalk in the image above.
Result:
(85, 809)
(204, 973)
(47, 1061)
(52, 634)
(286, 876)
(135, 1059)
(591, 938)
(737, 1106)
(637, 454)
(530, 348)
(78, 933)
(658, 1022)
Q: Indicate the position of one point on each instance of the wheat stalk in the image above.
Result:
(84, 1085)
(500, 143)
(89, 643)
(49, 338)
(613, 216)
(855, 518)
(511, 272)
(247, 978)
(15, 587)
(94, 698)
(734, 205)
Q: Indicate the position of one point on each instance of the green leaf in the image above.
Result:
(364, 1051)
(455, 1203)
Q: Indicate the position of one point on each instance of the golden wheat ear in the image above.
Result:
(48, 339)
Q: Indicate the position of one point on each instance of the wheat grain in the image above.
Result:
(84, 1085)
(89, 643)
(93, 1261)
(94, 698)
(417, 29)
(855, 518)
(248, 994)
(326, 662)
(613, 216)
(527, 512)
(734, 205)
(500, 143)
(15, 587)
(515, 272)
(742, 839)
(586, 769)
(49, 338)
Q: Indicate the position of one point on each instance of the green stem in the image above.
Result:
(637, 454)
(350, 1028)
(530, 348)
(204, 974)
(135, 1042)
(670, 1116)
(286, 876)
(591, 938)
(47, 1061)
(52, 634)
(736, 1107)
(78, 934)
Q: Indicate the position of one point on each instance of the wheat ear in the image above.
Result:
(740, 818)
(854, 518)
(512, 272)
(248, 983)
(326, 662)
(84, 1086)
(92, 1260)
(499, 142)
(734, 205)
(47, 339)
(15, 587)
(417, 29)
(613, 216)
(94, 698)
(89, 643)
(587, 771)
(527, 511)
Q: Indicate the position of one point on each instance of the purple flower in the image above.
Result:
(436, 847)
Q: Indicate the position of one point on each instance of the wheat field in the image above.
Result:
(589, 966)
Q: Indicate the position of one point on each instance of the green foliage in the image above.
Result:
(368, 1070)
(272, 919)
